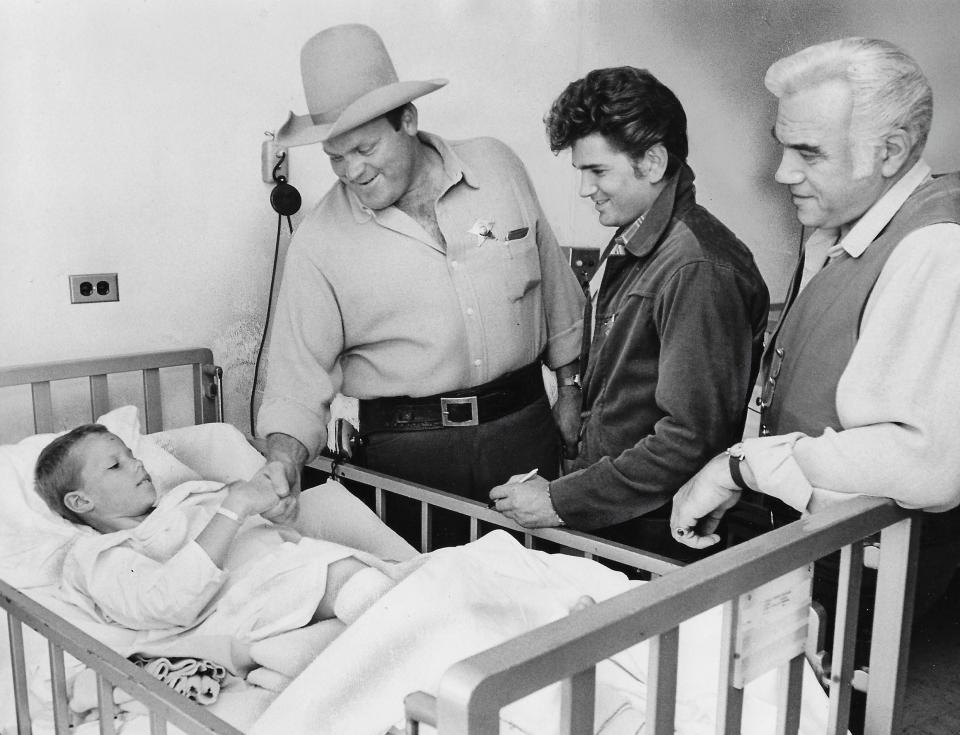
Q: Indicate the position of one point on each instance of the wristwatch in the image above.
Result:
(568, 382)
(737, 454)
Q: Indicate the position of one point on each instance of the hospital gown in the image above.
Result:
(156, 578)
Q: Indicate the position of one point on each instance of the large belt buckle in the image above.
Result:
(445, 419)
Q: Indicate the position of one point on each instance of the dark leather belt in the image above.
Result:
(469, 407)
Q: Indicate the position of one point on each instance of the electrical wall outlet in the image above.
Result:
(88, 288)
(271, 154)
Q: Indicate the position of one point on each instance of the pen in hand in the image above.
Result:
(531, 474)
(523, 478)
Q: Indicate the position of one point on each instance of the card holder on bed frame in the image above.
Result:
(473, 691)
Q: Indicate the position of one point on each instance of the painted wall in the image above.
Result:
(131, 137)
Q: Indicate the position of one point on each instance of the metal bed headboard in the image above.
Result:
(208, 399)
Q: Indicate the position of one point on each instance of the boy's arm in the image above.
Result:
(244, 499)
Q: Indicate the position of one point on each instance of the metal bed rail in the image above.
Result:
(472, 692)
(480, 515)
(208, 398)
(112, 670)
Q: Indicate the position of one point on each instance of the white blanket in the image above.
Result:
(469, 598)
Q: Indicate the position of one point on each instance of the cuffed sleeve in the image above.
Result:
(563, 298)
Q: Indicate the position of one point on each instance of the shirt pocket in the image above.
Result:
(522, 262)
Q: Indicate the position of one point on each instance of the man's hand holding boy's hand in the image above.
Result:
(284, 480)
(266, 493)
(290, 455)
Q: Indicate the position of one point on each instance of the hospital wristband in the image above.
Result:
(226, 512)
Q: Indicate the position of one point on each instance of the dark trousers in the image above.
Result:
(464, 460)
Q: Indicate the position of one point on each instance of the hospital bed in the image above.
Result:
(567, 653)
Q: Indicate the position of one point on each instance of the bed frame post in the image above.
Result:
(892, 619)
(729, 697)
(577, 703)
(19, 664)
(845, 637)
(208, 389)
(664, 651)
(42, 407)
(790, 691)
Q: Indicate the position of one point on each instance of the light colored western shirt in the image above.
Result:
(372, 306)
(899, 395)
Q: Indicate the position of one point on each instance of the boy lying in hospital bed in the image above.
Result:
(200, 560)
(448, 604)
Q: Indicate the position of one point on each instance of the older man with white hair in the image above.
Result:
(860, 391)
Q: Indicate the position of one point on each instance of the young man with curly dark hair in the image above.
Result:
(674, 326)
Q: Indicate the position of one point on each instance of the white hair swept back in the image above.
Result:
(889, 89)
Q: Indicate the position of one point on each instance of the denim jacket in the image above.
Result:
(680, 321)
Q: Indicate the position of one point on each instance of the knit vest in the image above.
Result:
(815, 338)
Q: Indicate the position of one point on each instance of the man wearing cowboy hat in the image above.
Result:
(427, 283)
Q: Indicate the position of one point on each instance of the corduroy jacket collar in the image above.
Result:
(678, 193)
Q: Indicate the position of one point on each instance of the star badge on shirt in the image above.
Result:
(483, 229)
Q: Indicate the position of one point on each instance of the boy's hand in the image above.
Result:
(261, 494)
(284, 480)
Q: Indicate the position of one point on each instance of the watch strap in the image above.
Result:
(735, 473)
(573, 381)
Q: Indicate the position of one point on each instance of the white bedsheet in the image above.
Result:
(469, 598)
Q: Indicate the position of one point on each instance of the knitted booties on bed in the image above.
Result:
(359, 592)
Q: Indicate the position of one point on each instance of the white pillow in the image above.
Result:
(217, 451)
(32, 537)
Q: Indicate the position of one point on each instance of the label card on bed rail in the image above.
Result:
(771, 625)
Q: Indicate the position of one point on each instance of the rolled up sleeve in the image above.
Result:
(563, 298)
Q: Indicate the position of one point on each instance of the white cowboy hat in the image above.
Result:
(348, 80)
